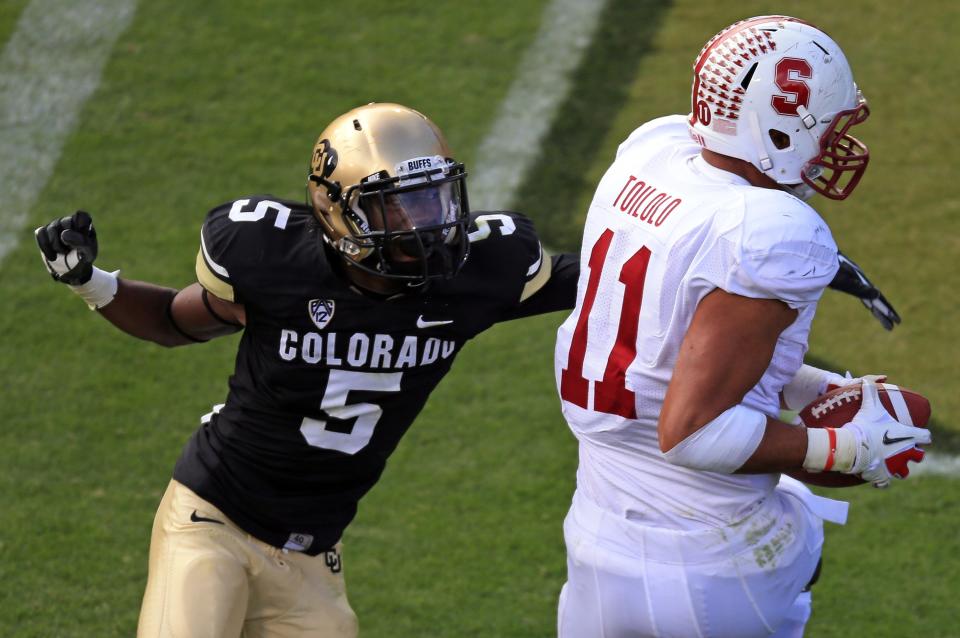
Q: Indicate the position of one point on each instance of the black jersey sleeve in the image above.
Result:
(506, 249)
(558, 293)
(245, 243)
(214, 258)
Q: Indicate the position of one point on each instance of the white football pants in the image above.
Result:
(630, 580)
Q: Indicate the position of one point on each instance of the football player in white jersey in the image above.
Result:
(701, 268)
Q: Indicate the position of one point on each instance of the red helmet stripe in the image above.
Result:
(734, 28)
(720, 39)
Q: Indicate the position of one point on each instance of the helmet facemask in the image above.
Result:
(410, 227)
(837, 170)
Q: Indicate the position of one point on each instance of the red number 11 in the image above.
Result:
(610, 395)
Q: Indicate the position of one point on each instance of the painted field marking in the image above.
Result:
(48, 68)
(937, 464)
(539, 89)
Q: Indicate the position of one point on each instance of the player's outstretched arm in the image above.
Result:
(171, 317)
(852, 280)
(166, 316)
(559, 292)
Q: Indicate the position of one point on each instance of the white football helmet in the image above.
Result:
(778, 92)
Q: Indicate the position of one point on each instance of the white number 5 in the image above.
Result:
(483, 226)
(237, 213)
(334, 403)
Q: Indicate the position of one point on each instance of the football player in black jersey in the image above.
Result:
(353, 308)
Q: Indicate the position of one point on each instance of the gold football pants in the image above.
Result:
(210, 579)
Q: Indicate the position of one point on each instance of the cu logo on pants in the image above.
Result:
(332, 560)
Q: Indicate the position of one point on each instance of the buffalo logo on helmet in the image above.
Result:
(324, 158)
(322, 165)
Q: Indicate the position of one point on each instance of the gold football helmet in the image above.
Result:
(388, 196)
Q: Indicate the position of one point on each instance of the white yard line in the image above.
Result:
(49, 67)
(937, 464)
(541, 85)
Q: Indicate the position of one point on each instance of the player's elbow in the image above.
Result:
(681, 416)
(165, 340)
(671, 430)
(721, 445)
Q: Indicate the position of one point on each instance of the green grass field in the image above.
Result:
(205, 102)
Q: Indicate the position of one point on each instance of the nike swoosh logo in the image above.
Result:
(422, 323)
(203, 519)
(888, 441)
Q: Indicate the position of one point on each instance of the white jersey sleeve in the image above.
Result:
(666, 130)
(772, 246)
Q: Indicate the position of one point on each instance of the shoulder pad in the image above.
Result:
(667, 130)
(238, 238)
(785, 249)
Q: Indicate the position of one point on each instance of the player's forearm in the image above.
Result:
(741, 440)
(141, 310)
(738, 440)
(782, 449)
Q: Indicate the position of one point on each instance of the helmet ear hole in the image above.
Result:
(780, 139)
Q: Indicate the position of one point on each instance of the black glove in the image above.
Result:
(69, 247)
(852, 280)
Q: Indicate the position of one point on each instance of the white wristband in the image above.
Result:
(100, 290)
(830, 450)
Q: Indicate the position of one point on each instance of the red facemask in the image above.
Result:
(837, 170)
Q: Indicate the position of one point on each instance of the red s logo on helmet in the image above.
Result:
(788, 72)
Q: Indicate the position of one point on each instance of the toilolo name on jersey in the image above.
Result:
(378, 351)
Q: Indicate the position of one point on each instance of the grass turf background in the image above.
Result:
(204, 103)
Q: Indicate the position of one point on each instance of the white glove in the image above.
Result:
(842, 382)
(810, 382)
(883, 445)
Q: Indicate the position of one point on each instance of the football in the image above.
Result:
(838, 407)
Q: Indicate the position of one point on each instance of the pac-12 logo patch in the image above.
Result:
(321, 311)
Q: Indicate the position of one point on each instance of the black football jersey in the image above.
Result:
(327, 378)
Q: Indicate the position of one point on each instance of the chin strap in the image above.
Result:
(765, 162)
(800, 191)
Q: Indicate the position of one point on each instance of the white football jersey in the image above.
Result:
(664, 229)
